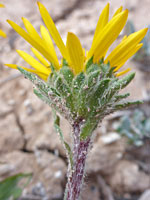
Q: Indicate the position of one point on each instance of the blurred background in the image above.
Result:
(118, 166)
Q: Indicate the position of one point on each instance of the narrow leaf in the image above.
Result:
(10, 186)
(65, 144)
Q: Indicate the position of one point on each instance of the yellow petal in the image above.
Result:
(125, 46)
(119, 10)
(40, 57)
(33, 33)
(13, 66)
(32, 41)
(41, 75)
(48, 43)
(75, 52)
(127, 56)
(31, 30)
(83, 51)
(33, 62)
(108, 35)
(53, 30)
(123, 72)
(103, 20)
(84, 54)
(3, 34)
(2, 5)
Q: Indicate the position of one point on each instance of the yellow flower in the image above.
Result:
(106, 33)
(2, 33)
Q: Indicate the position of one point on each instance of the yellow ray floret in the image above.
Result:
(119, 10)
(106, 33)
(41, 75)
(33, 62)
(103, 20)
(33, 33)
(40, 57)
(123, 72)
(125, 47)
(33, 42)
(31, 30)
(3, 34)
(75, 51)
(2, 5)
(48, 43)
(53, 30)
(127, 56)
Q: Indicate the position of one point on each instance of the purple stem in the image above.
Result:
(75, 177)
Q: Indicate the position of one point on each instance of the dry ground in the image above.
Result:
(28, 142)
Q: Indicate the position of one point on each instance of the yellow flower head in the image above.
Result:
(2, 33)
(106, 33)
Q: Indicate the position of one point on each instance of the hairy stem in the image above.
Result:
(76, 175)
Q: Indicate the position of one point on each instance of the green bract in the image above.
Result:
(87, 97)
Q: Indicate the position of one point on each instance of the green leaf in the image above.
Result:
(138, 116)
(77, 83)
(116, 86)
(134, 127)
(67, 74)
(93, 78)
(10, 187)
(64, 91)
(42, 97)
(40, 84)
(45, 92)
(105, 68)
(86, 91)
(88, 128)
(89, 63)
(125, 124)
(92, 68)
(64, 62)
(122, 83)
(101, 87)
(120, 97)
(110, 72)
(65, 144)
(126, 104)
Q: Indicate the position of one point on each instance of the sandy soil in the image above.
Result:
(28, 142)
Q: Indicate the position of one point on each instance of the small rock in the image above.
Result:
(39, 190)
(145, 195)
(110, 138)
(39, 127)
(103, 158)
(28, 106)
(58, 174)
(11, 102)
(127, 177)
(91, 190)
(53, 173)
(16, 162)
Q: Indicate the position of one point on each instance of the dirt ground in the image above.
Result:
(28, 142)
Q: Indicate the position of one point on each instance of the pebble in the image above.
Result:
(145, 195)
